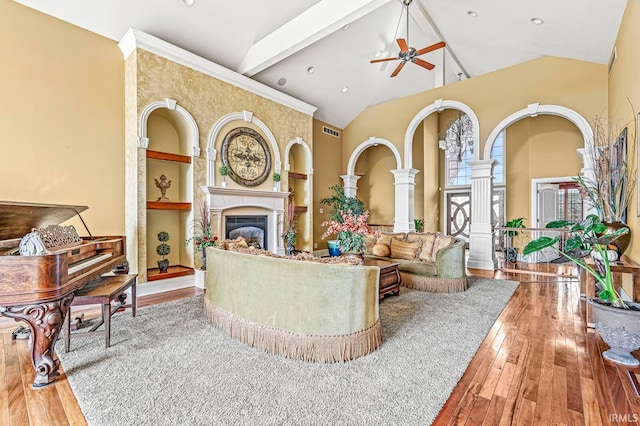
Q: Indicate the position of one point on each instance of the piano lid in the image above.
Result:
(18, 219)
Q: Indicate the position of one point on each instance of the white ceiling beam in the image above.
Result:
(310, 26)
(426, 24)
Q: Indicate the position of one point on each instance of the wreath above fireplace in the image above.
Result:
(247, 155)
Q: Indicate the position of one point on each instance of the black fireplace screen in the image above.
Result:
(254, 229)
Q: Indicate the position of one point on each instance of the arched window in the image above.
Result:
(458, 146)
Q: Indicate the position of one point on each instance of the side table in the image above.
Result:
(389, 276)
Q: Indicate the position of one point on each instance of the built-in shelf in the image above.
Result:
(154, 274)
(294, 175)
(168, 205)
(166, 156)
(300, 209)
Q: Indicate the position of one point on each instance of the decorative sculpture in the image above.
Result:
(163, 184)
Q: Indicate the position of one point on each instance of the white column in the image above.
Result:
(481, 248)
(588, 173)
(350, 185)
(404, 182)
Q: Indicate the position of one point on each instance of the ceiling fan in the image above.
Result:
(409, 54)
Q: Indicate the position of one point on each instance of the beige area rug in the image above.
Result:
(168, 366)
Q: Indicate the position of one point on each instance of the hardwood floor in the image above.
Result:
(538, 365)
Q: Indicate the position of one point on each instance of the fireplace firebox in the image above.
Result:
(254, 229)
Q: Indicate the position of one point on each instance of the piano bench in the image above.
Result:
(102, 291)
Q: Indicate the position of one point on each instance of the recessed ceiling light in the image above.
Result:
(472, 13)
(377, 54)
(537, 21)
(311, 70)
(282, 81)
(345, 89)
(346, 27)
(189, 2)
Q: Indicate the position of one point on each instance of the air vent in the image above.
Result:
(612, 59)
(330, 131)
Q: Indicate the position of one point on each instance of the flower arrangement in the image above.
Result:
(351, 230)
(289, 233)
(202, 236)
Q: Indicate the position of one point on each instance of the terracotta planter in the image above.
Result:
(620, 329)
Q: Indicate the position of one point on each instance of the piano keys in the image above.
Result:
(38, 286)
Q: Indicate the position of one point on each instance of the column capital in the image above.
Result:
(350, 184)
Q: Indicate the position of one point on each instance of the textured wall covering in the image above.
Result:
(207, 99)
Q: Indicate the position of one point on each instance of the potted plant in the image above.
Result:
(202, 235)
(613, 182)
(617, 321)
(351, 231)
(289, 234)
(338, 204)
(511, 252)
(276, 181)
(224, 172)
(418, 224)
(163, 250)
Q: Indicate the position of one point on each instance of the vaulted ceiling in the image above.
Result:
(275, 41)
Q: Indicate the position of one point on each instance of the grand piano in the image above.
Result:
(42, 264)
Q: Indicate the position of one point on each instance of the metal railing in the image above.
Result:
(545, 262)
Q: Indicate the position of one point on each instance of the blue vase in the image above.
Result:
(334, 248)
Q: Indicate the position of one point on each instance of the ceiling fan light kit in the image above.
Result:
(410, 54)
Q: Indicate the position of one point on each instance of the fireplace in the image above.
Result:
(228, 202)
(254, 229)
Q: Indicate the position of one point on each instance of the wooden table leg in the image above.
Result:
(67, 329)
(134, 301)
(106, 317)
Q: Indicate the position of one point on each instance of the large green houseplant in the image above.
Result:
(617, 321)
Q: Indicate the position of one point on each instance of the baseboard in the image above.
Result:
(320, 253)
(161, 286)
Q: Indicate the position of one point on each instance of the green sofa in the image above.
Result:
(299, 309)
(426, 261)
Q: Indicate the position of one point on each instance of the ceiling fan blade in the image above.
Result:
(398, 68)
(373, 61)
(431, 48)
(423, 64)
(403, 45)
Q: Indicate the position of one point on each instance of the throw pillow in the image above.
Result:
(382, 250)
(426, 250)
(442, 241)
(404, 250)
(386, 237)
(369, 242)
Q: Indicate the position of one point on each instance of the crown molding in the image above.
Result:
(136, 39)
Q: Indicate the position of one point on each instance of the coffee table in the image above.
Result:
(389, 276)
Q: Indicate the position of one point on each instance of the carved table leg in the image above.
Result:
(45, 320)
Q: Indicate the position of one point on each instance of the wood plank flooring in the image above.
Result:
(539, 365)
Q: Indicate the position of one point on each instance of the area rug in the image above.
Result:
(168, 366)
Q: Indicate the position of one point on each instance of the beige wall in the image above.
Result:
(624, 88)
(62, 121)
(577, 85)
(327, 168)
(540, 147)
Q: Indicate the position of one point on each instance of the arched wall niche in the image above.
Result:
(246, 117)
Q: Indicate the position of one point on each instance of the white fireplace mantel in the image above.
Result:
(221, 200)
